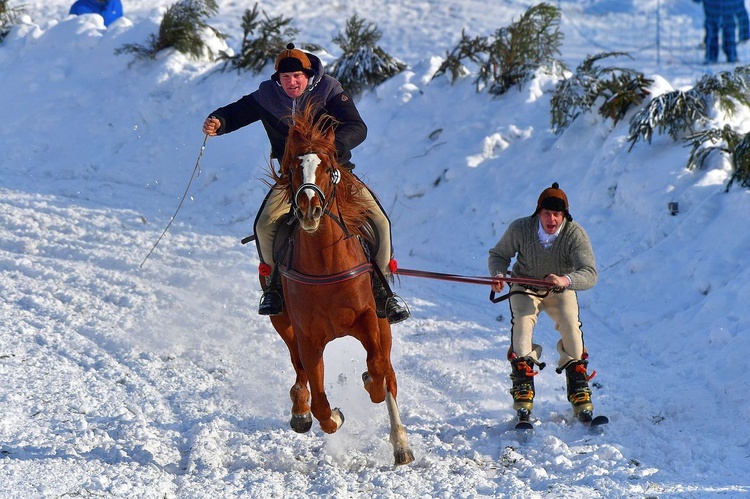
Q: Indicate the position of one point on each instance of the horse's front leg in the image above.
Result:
(301, 420)
(329, 419)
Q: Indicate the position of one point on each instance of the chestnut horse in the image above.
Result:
(326, 278)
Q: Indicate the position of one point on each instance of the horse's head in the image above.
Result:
(311, 169)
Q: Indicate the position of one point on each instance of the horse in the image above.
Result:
(326, 279)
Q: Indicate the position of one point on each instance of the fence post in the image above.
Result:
(658, 33)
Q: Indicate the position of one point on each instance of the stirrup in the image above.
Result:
(394, 311)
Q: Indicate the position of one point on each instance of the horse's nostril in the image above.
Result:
(317, 212)
(298, 213)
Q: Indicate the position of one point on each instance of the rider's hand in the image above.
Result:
(211, 126)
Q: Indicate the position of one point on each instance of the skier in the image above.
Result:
(547, 245)
(300, 79)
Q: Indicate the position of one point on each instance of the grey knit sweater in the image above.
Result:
(571, 253)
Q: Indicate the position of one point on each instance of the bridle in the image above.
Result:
(325, 200)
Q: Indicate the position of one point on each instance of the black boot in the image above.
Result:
(386, 304)
(272, 301)
(579, 393)
(523, 382)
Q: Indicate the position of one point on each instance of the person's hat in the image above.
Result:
(553, 198)
(292, 60)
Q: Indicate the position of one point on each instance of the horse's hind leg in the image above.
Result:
(400, 442)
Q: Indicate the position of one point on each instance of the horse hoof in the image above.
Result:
(301, 423)
(338, 416)
(404, 456)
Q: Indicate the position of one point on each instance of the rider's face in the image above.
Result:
(293, 83)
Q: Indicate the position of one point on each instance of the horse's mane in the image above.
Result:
(310, 133)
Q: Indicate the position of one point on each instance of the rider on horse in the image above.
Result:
(300, 80)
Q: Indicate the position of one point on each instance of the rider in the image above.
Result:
(300, 79)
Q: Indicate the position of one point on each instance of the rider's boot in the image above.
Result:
(272, 301)
(388, 307)
(522, 373)
(579, 393)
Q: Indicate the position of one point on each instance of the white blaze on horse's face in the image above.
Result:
(310, 163)
(310, 217)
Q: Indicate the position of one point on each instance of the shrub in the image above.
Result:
(181, 28)
(513, 54)
(674, 112)
(518, 50)
(262, 41)
(620, 88)
(727, 88)
(741, 163)
(724, 141)
(9, 17)
(363, 63)
(467, 48)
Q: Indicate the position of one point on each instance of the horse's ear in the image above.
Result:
(294, 136)
(330, 134)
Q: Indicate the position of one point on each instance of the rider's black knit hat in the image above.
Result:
(553, 198)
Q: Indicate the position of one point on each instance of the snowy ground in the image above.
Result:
(161, 380)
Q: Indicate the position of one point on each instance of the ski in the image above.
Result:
(524, 420)
(591, 421)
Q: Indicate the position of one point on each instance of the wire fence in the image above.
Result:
(654, 37)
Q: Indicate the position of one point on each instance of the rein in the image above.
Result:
(530, 284)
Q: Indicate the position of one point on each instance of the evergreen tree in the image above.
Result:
(741, 163)
(727, 88)
(9, 17)
(674, 112)
(517, 51)
(181, 28)
(512, 55)
(262, 41)
(363, 64)
(471, 49)
(619, 88)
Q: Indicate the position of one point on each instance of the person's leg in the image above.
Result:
(388, 306)
(563, 309)
(274, 207)
(523, 354)
(728, 37)
(712, 40)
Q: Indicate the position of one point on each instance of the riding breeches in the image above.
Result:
(274, 208)
(562, 308)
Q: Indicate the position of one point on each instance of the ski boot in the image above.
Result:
(386, 303)
(579, 393)
(272, 301)
(523, 389)
(523, 382)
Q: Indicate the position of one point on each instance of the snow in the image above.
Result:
(162, 381)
